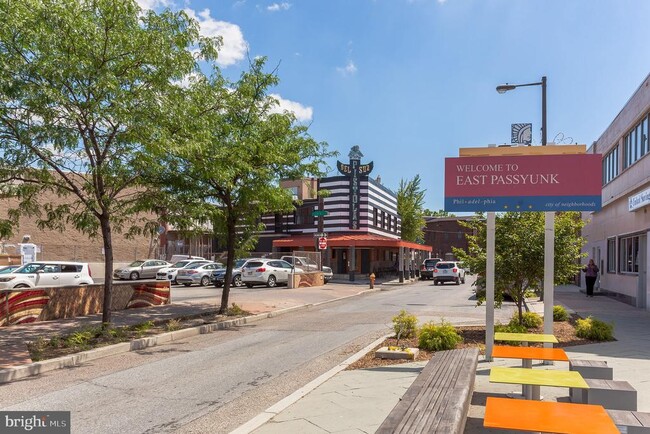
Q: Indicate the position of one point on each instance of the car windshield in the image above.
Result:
(445, 265)
(181, 264)
(431, 262)
(254, 264)
(136, 263)
(9, 269)
(239, 263)
(29, 268)
(196, 265)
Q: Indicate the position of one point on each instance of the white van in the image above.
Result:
(47, 273)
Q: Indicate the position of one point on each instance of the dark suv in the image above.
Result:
(426, 270)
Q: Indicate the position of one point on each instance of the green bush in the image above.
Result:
(441, 337)
(405, 325)
(559, 313)
(530, 320)
(595, 330)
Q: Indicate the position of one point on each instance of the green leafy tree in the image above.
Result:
(410, 207)
(519, 253)
(230, 150)
(439, 213)
(82, 86)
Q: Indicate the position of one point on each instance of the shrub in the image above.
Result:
(172, 325)
(559, 313)
(441, 337)
(405, 325)
(595, 330)
(511, 327)
(236, 310)
(530, 320)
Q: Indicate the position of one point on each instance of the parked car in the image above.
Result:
(308, 264)
(169, 273)
(427, 267)
(145, 269)
(219, 276)
(267, 272)
(47, 273)
(448, 271)
(197, 273)
(4, 269)
(175, 258)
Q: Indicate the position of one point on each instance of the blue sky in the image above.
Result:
(411, 81)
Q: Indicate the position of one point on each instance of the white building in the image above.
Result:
(617, 235)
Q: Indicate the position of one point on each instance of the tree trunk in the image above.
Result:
(108, 269)
(230, 260)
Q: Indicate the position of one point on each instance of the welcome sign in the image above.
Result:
(568, 182)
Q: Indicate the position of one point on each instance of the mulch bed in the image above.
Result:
(473, 336)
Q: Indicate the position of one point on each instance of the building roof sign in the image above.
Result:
(639, 200)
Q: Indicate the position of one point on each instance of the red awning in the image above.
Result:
(360, 240)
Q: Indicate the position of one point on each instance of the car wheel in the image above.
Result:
(134, 276)
(462, 280)
(271, 282)
(187, 284)
(217, 284)
(249, 285)
(458, 281)
(435, 282)
(236, 281)
(205, 281)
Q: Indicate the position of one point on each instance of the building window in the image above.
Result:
(303, 216)
(629, 254)
(611, 255)
(610, 166)
(636, 143)
(390, 222)
(376, 216)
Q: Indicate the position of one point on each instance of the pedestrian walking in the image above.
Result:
(591, 274)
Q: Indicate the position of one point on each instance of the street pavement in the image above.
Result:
(357, 401)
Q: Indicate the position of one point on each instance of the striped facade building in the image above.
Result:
(358, 216)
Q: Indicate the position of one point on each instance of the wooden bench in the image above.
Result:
(439, 398)
(634, 421)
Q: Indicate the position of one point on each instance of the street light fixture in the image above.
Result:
(506, 87)
(549, 220)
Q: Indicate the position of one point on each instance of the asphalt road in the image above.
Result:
(214, 383)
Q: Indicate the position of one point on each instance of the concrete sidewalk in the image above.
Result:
(358, 401)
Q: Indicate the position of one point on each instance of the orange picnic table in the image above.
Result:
(527, 355)
(556, 417)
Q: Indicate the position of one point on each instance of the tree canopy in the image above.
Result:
(410, 203)
(230, 148)
(519, 252)
(83, 86)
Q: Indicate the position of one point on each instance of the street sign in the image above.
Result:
(319, 213)
(320, 234)
(322, 243)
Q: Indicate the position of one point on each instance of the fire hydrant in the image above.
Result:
(372, 280)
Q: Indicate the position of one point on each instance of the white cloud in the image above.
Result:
(349, 69)
(234, 45)
(301, 112)
(278, 6)
(152, 4)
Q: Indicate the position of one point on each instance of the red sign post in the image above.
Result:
(322, 243)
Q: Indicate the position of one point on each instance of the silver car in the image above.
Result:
(146, 269)
(197, 273)
(267, 272)
(170, 273)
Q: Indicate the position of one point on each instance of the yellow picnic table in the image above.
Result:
(527, 355)
(536, 378)
(525, 337)
(556, 417)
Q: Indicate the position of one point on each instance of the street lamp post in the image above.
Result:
(549, 221)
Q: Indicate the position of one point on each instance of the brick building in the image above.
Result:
(443, 233)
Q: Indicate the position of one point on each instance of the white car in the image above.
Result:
(267, 272)
(448, 271)
(197, 273)
(47, 273)
(170, 273)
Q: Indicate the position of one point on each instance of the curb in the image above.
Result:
(284, 403)
(23, 371)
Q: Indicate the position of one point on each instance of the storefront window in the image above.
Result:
(611, 255)
(629, 255)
